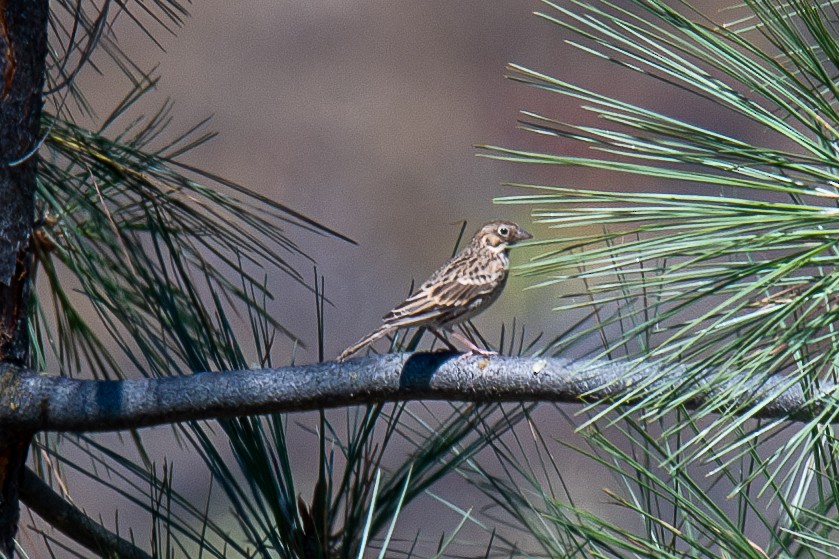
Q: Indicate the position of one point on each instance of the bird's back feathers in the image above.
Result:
(467, 278)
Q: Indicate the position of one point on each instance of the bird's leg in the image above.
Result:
(443, 339)
(473, 349)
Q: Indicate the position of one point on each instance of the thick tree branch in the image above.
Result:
(38, 403)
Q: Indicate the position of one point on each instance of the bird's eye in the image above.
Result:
(503, 231)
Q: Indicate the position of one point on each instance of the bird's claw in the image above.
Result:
(478, 351)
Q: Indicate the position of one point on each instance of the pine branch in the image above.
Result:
(42, 403)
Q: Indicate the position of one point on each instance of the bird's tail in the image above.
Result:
(380, 332)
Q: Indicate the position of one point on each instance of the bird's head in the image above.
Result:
(499, 235)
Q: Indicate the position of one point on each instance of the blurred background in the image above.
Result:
(364, 116)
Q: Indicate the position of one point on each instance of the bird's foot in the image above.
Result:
(473, 349)
(478, 351)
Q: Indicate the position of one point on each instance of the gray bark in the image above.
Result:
(31, 403)
(42, 403)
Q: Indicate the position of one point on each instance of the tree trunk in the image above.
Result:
(23, 49)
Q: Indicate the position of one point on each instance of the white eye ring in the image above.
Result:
(503, 231)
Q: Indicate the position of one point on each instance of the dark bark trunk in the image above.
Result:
(23, 49)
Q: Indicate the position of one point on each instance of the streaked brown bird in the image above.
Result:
(463, 287)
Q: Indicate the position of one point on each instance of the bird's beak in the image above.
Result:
(523, 235)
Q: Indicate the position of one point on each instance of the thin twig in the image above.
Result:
(69, 520)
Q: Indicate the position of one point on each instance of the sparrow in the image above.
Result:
(460, 289)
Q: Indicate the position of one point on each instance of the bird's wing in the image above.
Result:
(451, 289)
